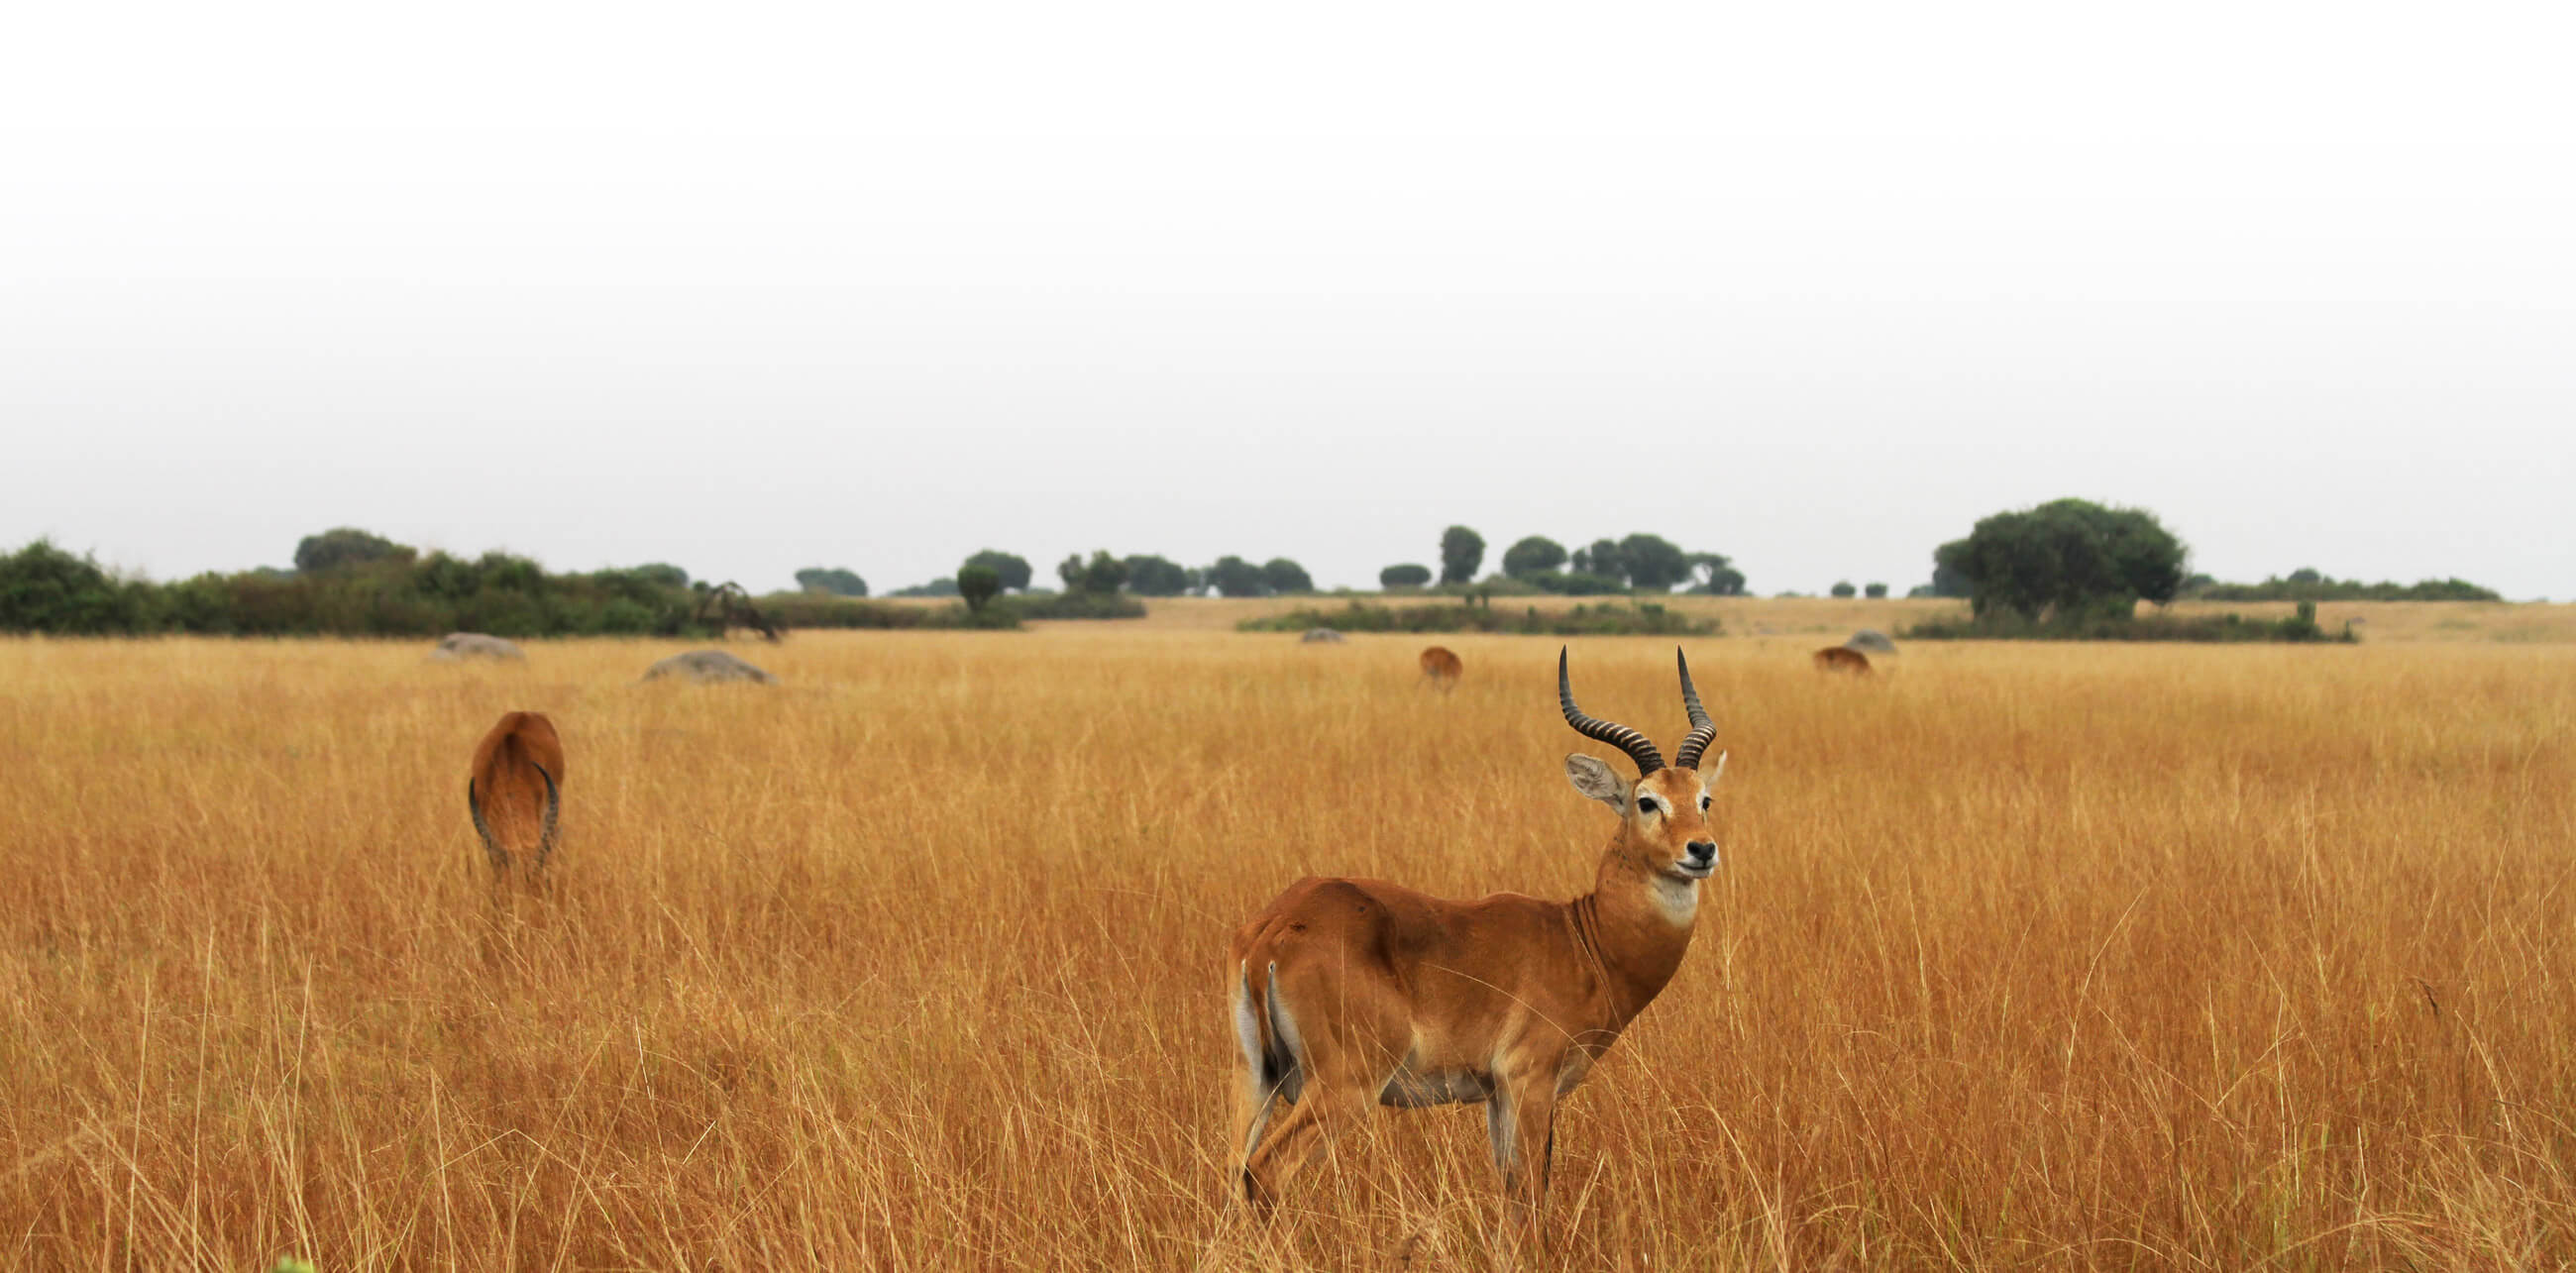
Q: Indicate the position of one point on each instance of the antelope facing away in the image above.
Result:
(1842, 658)
(515, 791)
(1349, 994)
(1441, 664)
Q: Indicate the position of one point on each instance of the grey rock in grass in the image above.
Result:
(474, 645)
(1321, 636)
(708, 667)
(1872, 640)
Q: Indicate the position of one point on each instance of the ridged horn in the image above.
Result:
(1703, 730)
(1638, 746)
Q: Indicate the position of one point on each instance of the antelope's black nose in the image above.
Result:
(1702, 852)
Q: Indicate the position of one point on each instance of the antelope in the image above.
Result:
(515, 791)
(1350, 993)
(1442, 666)
(1838, 658)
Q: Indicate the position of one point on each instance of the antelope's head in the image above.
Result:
(1664, 814)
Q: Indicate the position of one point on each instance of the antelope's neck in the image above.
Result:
(1637, 923)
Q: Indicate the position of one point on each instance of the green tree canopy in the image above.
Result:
(1535, 555)
(44, 589)
(1011, 568)
(345, 546)
(1234, 577)
(1152, 576)
(834, 580)
(1844, 588)
(1602, 559)
(1462, 551)
(1406, 575)
(1281, 575)
(1716, 575)
(1874, 591)
(1653, 562)
(2064, 556)
(977, 583)
(1103, 574)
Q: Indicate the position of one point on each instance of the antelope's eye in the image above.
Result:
(1703, 804)
(1645, 806)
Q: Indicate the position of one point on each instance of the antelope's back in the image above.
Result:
(518, 773)
(1838, 658)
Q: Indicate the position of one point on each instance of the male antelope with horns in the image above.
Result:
(515, 792)
(1353, 993)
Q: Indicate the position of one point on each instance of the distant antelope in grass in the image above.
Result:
(1350, 993)
(1441, 664)
(1839, 658)
(515, 792)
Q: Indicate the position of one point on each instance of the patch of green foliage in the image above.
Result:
(385, 593)
(2309, 585)
(1073, 605)
(1607, 619)
(2110, 625)
(2062, 561)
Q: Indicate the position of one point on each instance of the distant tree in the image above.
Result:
(1151, 576)
(1235, 577)
(833, 581)
(1602, 559)
(1070, 571)
(977, 583)
(2066, 555)
(1404, 576)
(2306, 574)
(1535, 555)
(1948, 580)
(1874, 591)
(44, 589)
(1012, 568)
(1716, 575)
(344, 546)
(1461, 552)
(512, 573)
(664, 574)
(1103, 574)
(1281, 575)
(1653, 563)
(1844, 588)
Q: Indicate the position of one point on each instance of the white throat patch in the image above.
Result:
(1677, 898)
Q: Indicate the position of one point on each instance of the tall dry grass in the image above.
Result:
(2019, 957)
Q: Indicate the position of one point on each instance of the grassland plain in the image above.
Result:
(2019, 956)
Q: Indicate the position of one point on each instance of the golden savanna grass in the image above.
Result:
(2019, 956)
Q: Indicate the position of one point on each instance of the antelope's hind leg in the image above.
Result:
(1259, 1085)
(1330, 1068)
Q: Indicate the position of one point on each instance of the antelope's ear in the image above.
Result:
(1709, 771)
(1592, 776)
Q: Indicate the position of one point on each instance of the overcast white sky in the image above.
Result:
(749, 288)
